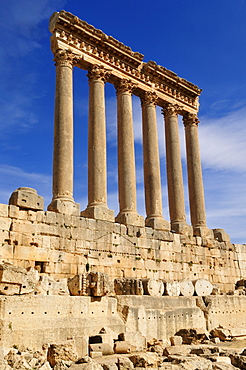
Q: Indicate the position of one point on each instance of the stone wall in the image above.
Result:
(61, 246)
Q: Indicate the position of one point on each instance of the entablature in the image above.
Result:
(92, 46)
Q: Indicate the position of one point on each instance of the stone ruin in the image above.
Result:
(101, 284)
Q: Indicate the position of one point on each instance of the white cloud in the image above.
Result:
(14, 177)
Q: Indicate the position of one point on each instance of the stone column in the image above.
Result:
(174, 171)
(152, 177)
(195, 182)
(97, 174)
(126, 157)
(62, 200)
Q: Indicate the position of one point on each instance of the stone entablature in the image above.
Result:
(92, 46)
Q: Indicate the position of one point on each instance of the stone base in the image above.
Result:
(67, 207)
(221, 235)
(157, 223)
(182, 228)
(130, 218)
(27, 198)
(99, 212)
(203, 232)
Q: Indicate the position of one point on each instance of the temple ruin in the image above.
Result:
(67, 273)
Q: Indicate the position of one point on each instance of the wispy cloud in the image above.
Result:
(14, 177)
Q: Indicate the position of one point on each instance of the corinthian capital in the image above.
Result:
(171, 110)
(125, 85)
(190, 119)
(65, 58)
(98, 72)
(149, 98)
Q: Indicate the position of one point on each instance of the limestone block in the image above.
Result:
(128, 286)
(79, 285)
(124, 363)
(221, 333)
(5, 223)
(153, 287)
(9, 289)
(176, 340)
(4, 210)
(95, 354)
(87, 363)
(65, 351)
(186, 288)
(176, 350)
(27, 198)
(122, 347)
(148, 359)
(172, 288)
(104, 348)
(99, 284)
(221, 235)
(136, 340)
(202, 287)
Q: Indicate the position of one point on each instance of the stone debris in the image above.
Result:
(153, 287)
(63, 356)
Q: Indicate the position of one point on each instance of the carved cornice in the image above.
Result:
(125, 85)
(98, 72)
(149, 98)
(95, 47)
(65, 58)
(190, 119)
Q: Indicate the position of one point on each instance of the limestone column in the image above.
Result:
(174, 171)
(195, 181)
(126, 157)
(97, 173)
(62, 200)
(152, 177)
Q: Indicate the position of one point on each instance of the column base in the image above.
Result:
(157, 223)
(221, 235)
(99, 212)
(203, 232)
(68, 207)
(130, 218)
(181, 227)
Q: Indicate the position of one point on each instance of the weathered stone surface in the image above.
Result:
(128, 286)
(148, 359)
(17, 280)
(104, 348)
(172, 288)
(122, 347)
(186, 288)
(221, 333)
(79, 285)
(86, 363)
(27, 198)
(63, 351)
(124, 363)
(99, 284)
(203, 287)
(176, 340)
(153, 287)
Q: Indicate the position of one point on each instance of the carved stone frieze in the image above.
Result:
(98, 72)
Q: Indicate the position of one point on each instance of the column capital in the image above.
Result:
(65, 58)
(98, 72)
(149, 98)
(190, 119)
(125, 85)
(171, 110)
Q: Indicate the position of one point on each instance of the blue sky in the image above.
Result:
(202, 41)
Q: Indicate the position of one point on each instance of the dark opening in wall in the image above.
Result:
(39, 266)
(95, 339)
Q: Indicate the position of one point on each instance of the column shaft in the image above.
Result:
(63, 136)
(152, 177)
(174, 171)
(126, 156)
(195, 181)
(97, 172)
